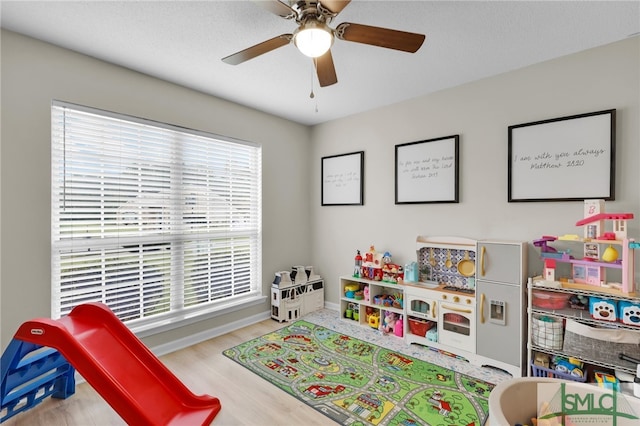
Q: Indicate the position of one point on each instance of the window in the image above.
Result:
(158, 222)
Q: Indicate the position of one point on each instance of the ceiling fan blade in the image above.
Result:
(325, 69)
(382, 37)
(258, 49)
(277, 8)
(335, 6)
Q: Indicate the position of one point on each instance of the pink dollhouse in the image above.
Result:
(600, 230)
(591, 269)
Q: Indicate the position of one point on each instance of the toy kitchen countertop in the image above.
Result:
(442, 290)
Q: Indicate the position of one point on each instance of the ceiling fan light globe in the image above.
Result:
(313, 41)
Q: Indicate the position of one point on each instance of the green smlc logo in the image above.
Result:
(578, 404)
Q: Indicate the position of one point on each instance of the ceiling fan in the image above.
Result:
(314, 37)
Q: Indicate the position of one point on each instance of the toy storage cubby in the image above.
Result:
(383, 297)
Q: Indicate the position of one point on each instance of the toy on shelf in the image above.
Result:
(388, 323)
(356, 312)
(607, 381)
(578, 301)
(357, 269)
(398, 329)
(603, 309)
(348, 313)
(391, 272)
(629, 312)
(541, 359)
(546, 251)
(351, 289)
(374, 320)
(372, 265)
(411, 273)
(569, 366)
(589, 272)
(610, 254)
(549, 269)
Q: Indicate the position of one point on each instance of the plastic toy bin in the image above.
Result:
(420, 327)
(549, 299)
(539, 371)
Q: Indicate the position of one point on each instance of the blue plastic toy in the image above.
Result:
(31, 373)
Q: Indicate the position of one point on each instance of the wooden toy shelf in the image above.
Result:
(376, 288)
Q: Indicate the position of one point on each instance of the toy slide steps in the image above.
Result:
(140, 388)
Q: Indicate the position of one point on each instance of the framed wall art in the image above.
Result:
(342, 179)
(563, 159)
(427, 171)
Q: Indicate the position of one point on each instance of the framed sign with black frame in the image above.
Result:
(342, 179)
(563, 159)
(427, 171)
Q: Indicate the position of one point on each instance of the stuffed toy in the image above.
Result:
(389, 322)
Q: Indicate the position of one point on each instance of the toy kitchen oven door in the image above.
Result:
(456, 322)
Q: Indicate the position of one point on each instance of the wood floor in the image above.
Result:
(246, 398)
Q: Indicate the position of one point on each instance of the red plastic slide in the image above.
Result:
(141, 389)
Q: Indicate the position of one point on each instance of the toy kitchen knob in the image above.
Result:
(610, 254)
(456, 299)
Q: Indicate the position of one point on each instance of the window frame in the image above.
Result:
(177, 315)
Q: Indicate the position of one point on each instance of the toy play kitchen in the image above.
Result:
(460, 296)
(470, 300)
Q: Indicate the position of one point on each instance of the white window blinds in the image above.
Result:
(151, 219)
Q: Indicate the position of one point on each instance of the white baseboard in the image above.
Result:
(332, 306)
(194, 339)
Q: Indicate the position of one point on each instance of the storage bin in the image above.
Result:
(420, 327)
(603, 309)
(547, 332)
(602, 344)
(540, 371)
(549, 299)
(629, 312)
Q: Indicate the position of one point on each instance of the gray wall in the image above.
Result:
(480, 112)
(297, 230)
(34, 73)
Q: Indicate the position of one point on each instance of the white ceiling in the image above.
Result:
(184, 41)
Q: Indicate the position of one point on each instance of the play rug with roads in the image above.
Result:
(357, 383)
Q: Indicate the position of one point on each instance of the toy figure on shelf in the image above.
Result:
(388, 322)
(398, 330)
(370, 265)
(357, 270)
(374, 319)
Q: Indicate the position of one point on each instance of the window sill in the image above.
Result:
(177, 320)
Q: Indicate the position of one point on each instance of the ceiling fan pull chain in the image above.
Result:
(312, 95)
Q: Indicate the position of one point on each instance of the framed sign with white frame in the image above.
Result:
(342, 179)
(563, 159)
(427, 171)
